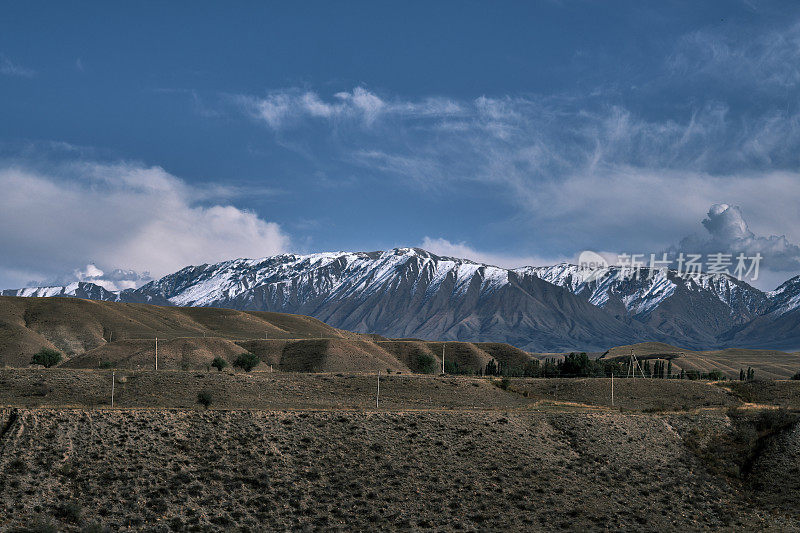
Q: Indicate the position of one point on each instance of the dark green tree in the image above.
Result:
(577, 364)
(46, 357)
(247, 361)
(219, 363)
(426, 363)
(204, 398)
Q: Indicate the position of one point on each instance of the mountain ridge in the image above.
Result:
(409, 292)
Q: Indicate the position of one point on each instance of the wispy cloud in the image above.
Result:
(291, 107)
(765, 61)
(9, 68)
(575, 166)
(617, 169)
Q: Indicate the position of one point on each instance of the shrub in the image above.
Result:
(40, 525)
(716, 375)
(106, 364)
(204, 398)
(46, 357)
(425, 363)
(70, 512)
(504, 383)
(17, 466)
(219, 363)
(795, 377)
(247, 361)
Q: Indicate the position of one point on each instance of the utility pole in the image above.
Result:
(378, 394)
(612, 389)
(156, 353)
(113, 380)
(443, 345)
(633, 364)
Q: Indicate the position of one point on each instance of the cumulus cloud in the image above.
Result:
(122, 217)
(440, 246)
(728, 232)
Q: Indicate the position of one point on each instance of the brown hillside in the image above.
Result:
(94, 334)
(76, 327)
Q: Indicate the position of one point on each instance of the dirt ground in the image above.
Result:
(311, 452)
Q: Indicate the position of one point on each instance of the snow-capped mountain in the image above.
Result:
(405, 292)
(409, 292)
(643, 293)
(779, 326)
(78, 289)
(785, 298)
(701, 307)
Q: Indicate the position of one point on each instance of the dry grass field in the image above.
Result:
(291, 451)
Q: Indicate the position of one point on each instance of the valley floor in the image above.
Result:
(445, 453)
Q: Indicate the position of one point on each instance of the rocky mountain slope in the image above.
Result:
(698, 308)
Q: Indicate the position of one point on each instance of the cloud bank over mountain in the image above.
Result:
(728, 233)
(124, 218)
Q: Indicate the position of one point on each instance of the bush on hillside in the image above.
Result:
(46, 357)
(219, 363)
(247, 361)
(204, 398)
(425, 363)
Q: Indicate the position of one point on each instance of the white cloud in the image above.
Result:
(462, 250)
(581, 173)
(9, 68)
(290, 107)
(728, 232)
(766, 61)
(114, 280)
(119, 216)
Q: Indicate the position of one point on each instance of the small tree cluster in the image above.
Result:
(247, 361)
(714, 375)
(46, 357)
(660, 369)
(750, 375)
(573, 365)
(204, 398)
(426, 363)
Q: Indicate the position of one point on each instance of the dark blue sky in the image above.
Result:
(512, 132)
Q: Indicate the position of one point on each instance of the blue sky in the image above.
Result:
(149, 136)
